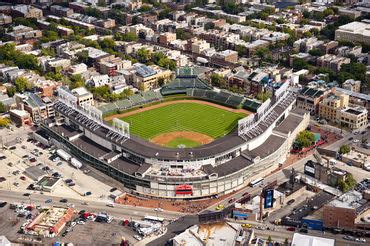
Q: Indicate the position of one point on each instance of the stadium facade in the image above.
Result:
(259, 145)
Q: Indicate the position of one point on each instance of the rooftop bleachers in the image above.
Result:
(251, 105)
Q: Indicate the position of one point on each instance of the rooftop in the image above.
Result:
(307, 240)
(350, 199)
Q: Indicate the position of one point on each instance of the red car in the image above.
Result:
(245, 194)
(290, 229)
(23, 178)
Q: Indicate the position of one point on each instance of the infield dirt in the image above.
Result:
(165, 138)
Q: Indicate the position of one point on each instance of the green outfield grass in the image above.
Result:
(194, 117)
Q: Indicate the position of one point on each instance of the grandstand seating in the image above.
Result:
(223, 97)
(132, 101)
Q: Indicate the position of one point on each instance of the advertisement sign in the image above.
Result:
(269, 198)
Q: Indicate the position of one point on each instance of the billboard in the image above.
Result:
(309, 169)
(269, 198)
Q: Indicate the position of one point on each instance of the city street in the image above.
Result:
(119, 211)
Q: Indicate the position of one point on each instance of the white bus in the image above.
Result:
(256, 182)
(154, 219)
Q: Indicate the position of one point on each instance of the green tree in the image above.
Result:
(263, 96)
(128, 37)
(4, 122)
(299, 63)
(76, 81)
(182, 34)
(305, 139)
(94, 12)
(22, 84)
(161, 82)
(83, 56)
(269, 239)
(218, 81)
(344, 149)
(262, 53)
(143, 55)
(11, 90)
(316, 52)
(48, 52)
(357, 70)
(2, 108)
(107, 43)
(328, 12)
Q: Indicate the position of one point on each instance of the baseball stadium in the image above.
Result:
(187, 140)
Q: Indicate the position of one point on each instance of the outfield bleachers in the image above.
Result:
(133, 101)
(180, 85)
(222, 97)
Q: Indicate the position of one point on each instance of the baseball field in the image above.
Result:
(183, 125)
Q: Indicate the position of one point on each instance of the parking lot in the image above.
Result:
(26, 154)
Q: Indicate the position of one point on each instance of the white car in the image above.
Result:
(137, 237)
(356, 140)
(361, 240)
(73, 224)
(81, 222)
(158, 209)
(110, 205)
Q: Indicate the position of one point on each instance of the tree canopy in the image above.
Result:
(22, 84)
(344, 149)
(305, 139)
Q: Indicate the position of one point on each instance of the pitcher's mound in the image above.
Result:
(181, 139)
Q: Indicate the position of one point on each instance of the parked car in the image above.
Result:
(290, 229)
(290, 202)
(113, 189)
(48, 201)
(23, 178)
(137, 237)
(26, 194)
(349, 238)
(64, 200)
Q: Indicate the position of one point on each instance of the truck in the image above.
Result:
(64, 155)
(76, 163)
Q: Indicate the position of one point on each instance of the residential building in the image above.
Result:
(199, 45)
(5, 19)
(147, 77)
(352, 85)
(56, 63)
(113, 65)
(309, 98)
(20, 117)
(22, 34)
(167, 37)
(354, 117)
(26, 11)
(332, 62)
(37, 107)
(77, 69)
(227, 56)
(330, 106)
(84, 97)
(354, 32)
(61, 11)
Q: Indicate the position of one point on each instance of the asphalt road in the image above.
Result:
(119, 211)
